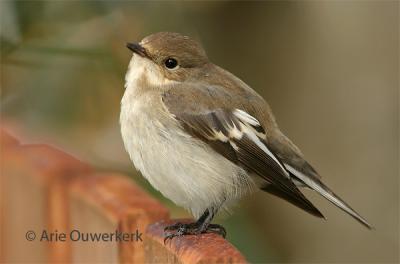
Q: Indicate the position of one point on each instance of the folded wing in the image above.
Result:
(240, 138)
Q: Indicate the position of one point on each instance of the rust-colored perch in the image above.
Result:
(207, 248)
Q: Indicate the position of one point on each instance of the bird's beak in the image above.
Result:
(138, 49)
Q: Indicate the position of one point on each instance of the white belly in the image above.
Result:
(182, 168)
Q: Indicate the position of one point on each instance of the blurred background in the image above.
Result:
(329, 70)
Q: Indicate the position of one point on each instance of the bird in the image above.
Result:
(204, 138)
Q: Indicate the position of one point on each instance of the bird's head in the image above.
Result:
(166, 57)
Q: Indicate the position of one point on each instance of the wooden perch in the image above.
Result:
(207, 248)
(47, 191)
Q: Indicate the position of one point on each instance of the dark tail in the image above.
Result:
(324, 190)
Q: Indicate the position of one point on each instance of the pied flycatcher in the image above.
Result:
(204, 138)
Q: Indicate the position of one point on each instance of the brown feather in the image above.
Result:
(248, 155)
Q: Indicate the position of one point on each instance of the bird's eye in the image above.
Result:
(171, 63)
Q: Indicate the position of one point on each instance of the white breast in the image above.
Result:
(182, 168)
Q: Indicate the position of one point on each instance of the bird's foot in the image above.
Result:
(181, 229)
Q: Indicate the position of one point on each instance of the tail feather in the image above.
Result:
(297, 199)
(324, 190)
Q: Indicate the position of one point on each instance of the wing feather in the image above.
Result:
(239, 137)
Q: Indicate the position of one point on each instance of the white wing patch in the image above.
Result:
(220, 136)
(245, 117)
(246, 120)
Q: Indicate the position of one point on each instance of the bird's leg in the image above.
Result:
(202, 225)
(178, 225)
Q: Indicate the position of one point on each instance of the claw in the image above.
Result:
(217, 229)
(168, 237)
